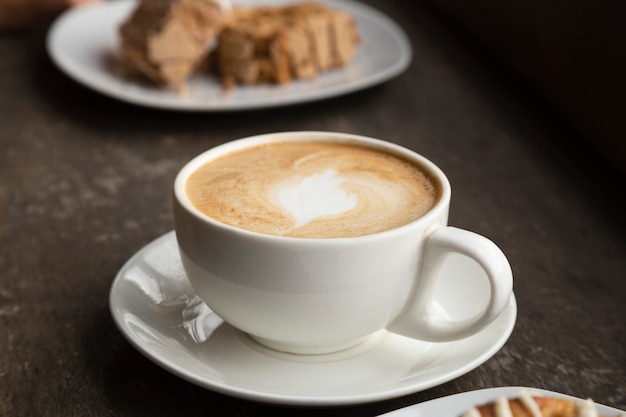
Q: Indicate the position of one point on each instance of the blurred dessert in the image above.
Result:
(166, 40)
(283, 43)
(533, 406)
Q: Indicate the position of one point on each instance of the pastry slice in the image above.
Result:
(279, 44)
(166, 40)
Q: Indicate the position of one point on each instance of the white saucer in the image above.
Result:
(83, 42)
(456, 405)
(156, 309)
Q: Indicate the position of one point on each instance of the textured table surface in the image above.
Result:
(85, 182)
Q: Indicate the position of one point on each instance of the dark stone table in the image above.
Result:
(85, 182)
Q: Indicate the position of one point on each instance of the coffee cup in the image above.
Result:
(311, 242)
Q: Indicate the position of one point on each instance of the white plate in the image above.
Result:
(83, 42)
(156, 309)
(455, 405)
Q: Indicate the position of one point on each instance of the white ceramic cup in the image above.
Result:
(313, 296)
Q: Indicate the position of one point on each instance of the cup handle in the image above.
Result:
(420, 319)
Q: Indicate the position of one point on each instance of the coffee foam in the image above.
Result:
(312, 189)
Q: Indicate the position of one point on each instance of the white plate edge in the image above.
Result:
(454, 405)
(371, 80)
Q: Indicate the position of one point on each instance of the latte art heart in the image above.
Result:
(312, 190)
(314, 197)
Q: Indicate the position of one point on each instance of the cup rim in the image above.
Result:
(435, 173)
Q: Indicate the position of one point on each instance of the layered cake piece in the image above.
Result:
(280, 44)
(166, 40)
(533, 406)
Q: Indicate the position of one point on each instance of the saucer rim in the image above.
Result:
(290, 399)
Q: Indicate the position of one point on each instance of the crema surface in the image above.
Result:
(312, 190)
